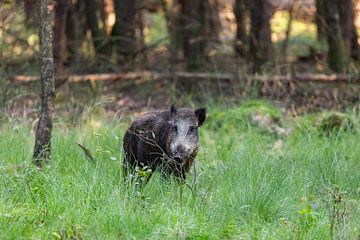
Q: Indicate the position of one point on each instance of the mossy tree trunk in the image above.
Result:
(242, 38)
(337, 57)
(42, 149)
(123, 31)
(193, 42)
(260, 38)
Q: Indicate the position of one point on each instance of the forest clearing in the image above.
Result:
(272, 94)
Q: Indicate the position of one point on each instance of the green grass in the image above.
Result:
(250, 184)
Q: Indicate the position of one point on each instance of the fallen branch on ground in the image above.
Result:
(86, 152)
(149, 75)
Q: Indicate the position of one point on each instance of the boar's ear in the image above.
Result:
(173, 109)
(201, 115)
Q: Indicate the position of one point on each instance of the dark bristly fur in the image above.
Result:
(163, 140)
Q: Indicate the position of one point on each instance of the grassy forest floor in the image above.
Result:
(260, 174)
(285, 167)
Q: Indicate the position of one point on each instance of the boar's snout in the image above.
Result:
(181, 152)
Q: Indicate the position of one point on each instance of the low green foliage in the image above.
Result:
(249, 184)
(254, 115)
(328, 123)
(335, 122)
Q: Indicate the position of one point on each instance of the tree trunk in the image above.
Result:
(346, 22)
(284, 49)
(320, 22)
(348, 29)
(173, 23)
(75, 31)
(42, 149)
(337, 59)
(59, 52)
(193, 42)
(30, 11)
(260, 39)
(355, 48)
(123, 31)
(98, 34)
(242, 39)
(212, 20)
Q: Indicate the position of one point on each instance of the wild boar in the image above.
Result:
(167, 141)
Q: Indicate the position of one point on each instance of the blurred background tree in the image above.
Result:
(194, 39)
(121, 34)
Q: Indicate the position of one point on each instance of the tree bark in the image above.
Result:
(98, 34)
(320, 21)
(348, 29)
(30, 11)
(42, 149)
(337, 57)
(123, 30)
(193, 42)
(346, 22)
(75, 31)
(173, 23)
(59, 52)
(284, 49)
(212, 20)
(260, 39)
(355, 48)
(242, 38)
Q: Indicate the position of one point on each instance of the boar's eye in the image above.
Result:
(192, 129)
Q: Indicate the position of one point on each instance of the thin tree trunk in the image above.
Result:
(59, 52)
(42, 149)
(346, 22)
(173, 22)
(98, 34)
(212, 20)
(123, 31)
(321, 21)
(337, 57)
(355, 48)
(260, 39)
(193, 19)
(288, 30)
(348, 29)
(140, 34)
(30, 11)
(242, 38)
(75, 32)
